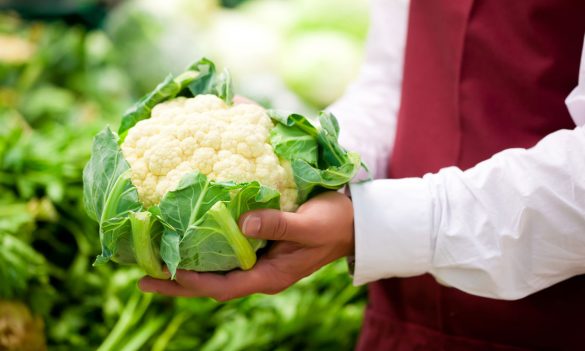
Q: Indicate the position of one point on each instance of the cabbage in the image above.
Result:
(348, 17)
(319, 65)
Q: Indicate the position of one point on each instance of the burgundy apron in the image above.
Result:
(480, 76)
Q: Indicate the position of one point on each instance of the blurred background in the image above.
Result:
(67, 68)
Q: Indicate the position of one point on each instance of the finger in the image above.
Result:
(262, 279)
(163, 287)
(275, 225)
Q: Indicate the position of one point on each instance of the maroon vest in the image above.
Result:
(480, 76)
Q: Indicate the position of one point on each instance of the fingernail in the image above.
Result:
(251, 225)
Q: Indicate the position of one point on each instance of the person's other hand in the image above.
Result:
(320, 232)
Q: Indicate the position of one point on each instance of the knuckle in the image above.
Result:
(281, 227)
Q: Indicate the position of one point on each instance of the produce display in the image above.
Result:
(59, 85)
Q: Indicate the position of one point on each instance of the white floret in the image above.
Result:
(204, 134)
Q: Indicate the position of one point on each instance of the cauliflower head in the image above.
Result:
(204, 134)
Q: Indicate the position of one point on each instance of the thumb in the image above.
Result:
(273, 225)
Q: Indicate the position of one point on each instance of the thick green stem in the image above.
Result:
(111, 203)
(241, 246)
(146, 257)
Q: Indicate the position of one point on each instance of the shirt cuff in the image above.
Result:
(393, 229)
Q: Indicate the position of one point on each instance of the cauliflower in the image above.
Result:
(204, 134)
(186, 163)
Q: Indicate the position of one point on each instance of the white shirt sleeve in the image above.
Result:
(369, 107)
(506, 228)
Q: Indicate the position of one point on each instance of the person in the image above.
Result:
(477, 242)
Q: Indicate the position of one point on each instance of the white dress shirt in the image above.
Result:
(508, 227)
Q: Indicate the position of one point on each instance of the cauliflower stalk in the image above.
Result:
(169, 187)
